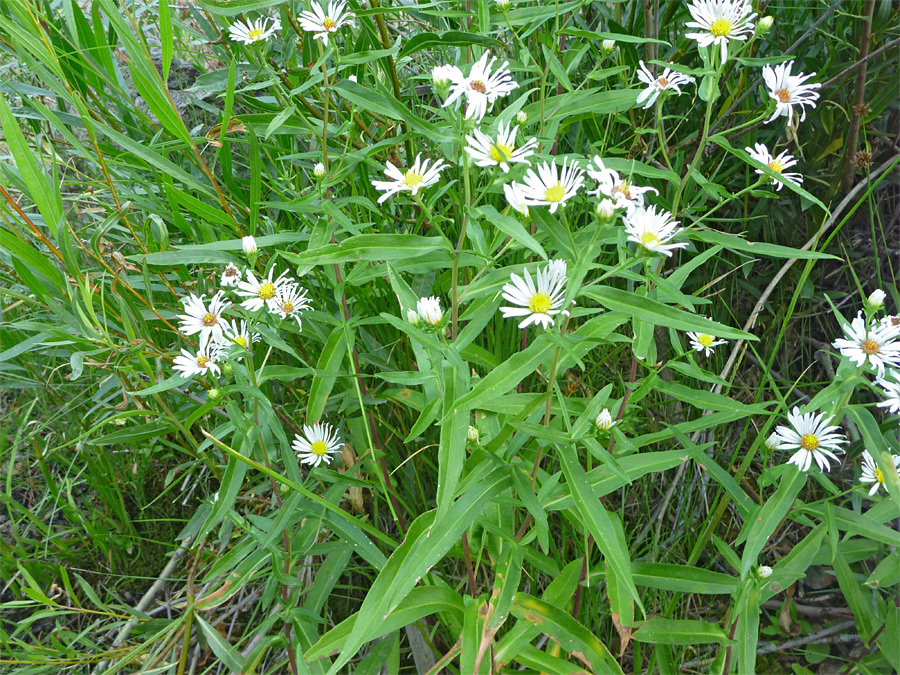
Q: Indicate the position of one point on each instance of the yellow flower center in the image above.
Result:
(500, 152)
(254, 34)
(540, 303)
(783, 95)
(241, 341)
(411, 179)
(649, 239)
(809, 442)
(318, 448)
(623, 188)
(704, 339)
(777, 167)
(869, 346)
(555, 193)
(720, 27)
(478, 86)
(287, 306)
(202, 361)
(267, 291)
(879, 476)
(329, 24)
(209, 319)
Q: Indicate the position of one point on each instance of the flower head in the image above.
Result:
(538, 304)
(199, 363)
(290, 300)
(890, 386)
(248, 243)
(322, 23)
(443, 76)
(871, 473)
(548, 189)
(772, 443)
(429, 310)
(415, 178)
(720, 21)
(231, 276)
(668, 80)
(788, 90)
(236, 333)
(252, 32)
(607, 46)
(259, 291)
(813, 437)
(653, 231)
(604, 421)
(318, 444)
(522, 117)
(763, 572)
(623, 193)
(502, 151)
(778, 164)
(319, 171)
(874, 342)
(481, 87)
(705, 343)
(203, 318)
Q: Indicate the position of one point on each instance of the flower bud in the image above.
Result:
(606, 211)
(764, 25)
(227, 368)
(430, 310)
(249, 244)
(607, 46)
(319, 171)
(214, 394)
(876, 299)
(473, 434)
(413, 317)
(441, 77)
(522, 117)
(604, 420)
(502, 5)
(352, 78)
(763, 572)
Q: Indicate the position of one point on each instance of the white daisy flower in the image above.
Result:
(876, 343)
(202, 318)
(481, 87)
(500, 152)
(322, 23)
(813, 437)
(231, 276)
(318, 445)
(623, 193)
(416, 178)
(516, 198)
(788, 90)
(653, 231)
(778, 164)
(429, 309)
(763, 572)
(604, 420)
(668, 80)
(720, 21)
(537, 304)
(876, 298)
(200, 363)
(289, 301)
(702, 342)
(259, 291)
(891, 390)
(443, 76)
(871, 473)
(237, 333)
(252, 32)
(546, 189)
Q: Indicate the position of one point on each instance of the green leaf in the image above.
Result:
(683, 579)
(652, 311)
(450, 38)
(566, 631)
(680, 632)
(279, 120)
(608, 535)
(384, 103)
(762, 523)
(165, 385)
(452, 444)
(327, 370)
(512, 228)
(232, 7)
(735, 243)
(229, 655)
(377, 247)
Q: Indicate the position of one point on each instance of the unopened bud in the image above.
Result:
(876, 299)
(522, 117)
(352, 78)
(607, 46)
(764, 25)
(604, 420)
(319, 171)
(606, 210)
(413, 317)
(214, 394)
(249, 245)
(502, 5)
(473, 434)
(764, 572)
(227, 368)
